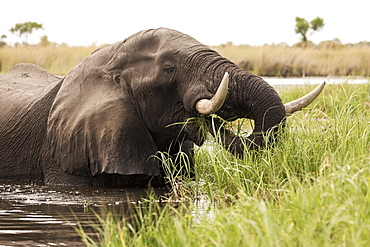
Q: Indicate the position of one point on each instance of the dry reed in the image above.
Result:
(297, 61)
(263, 60)
(57, 60)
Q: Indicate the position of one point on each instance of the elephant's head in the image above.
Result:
(125, 102)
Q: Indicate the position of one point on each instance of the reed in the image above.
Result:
(263, 60)
(57, 60)
(297, 61)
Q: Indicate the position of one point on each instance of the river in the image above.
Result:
(276, 81)
(33, 215)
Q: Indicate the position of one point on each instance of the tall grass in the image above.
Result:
(57, 60)
(297, 61)
(312, 189)
(264, 60)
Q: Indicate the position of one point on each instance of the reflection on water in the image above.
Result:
(45, 215)
(203, 211)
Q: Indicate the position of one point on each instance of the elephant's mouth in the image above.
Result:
(195, 130)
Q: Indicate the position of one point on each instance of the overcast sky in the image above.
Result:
(254, 22)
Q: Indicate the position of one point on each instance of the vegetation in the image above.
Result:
(23, 30)
(313, 189)
(2, 42)
(302, 27)
(328, 58)
(57, 59)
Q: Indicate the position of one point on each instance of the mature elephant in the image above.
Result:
(104, 121)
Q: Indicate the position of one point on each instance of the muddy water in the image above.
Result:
(32, 215)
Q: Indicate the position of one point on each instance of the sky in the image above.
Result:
(253, 22)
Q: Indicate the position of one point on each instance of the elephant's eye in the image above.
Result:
(169, 69)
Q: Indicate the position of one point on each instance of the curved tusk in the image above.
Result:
(210, 106)
(304, 101)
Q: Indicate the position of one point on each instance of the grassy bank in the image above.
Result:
(313, 189)
(264, 61)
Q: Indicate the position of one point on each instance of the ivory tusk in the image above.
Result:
(304, 101)
(210, 106)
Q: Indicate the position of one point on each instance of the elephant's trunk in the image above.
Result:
(266, 109)
(251, 97)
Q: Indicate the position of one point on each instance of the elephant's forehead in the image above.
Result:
(164, 39)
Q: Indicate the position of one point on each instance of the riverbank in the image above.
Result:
(273, 61)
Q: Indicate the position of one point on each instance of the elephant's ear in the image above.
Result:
(94, 127)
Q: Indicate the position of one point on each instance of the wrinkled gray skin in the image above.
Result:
(101, 124)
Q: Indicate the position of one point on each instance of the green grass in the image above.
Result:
(312, 189)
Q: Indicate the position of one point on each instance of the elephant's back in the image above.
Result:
(23, 85)
(27, 76)
(26, 94)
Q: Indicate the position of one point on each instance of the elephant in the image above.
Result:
(103, 123)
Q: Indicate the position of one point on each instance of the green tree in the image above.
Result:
(25, 29)
(302, 27)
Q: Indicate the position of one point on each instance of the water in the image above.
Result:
(32, 215)
(275, 81)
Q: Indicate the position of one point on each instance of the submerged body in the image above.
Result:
(104, 122)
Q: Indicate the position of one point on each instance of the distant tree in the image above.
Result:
(2, 42)
(302, 27)
(44, 41)
(25, 29)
